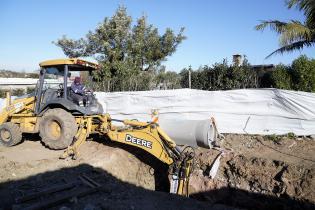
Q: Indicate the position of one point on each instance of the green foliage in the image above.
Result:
(278, 138)
(281, 77)
(166, 79)
(291, 135)
(30, 90)
(18, 92)
(300, 75)
(14, 92)
(124, 51)
(303, 70)
(3, 93)
(274, 138)
(221, 76)
(33, 75)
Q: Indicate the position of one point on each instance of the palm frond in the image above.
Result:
(292, 47)
(291, 3)
(275, 25)
(294, 35)
(295, 31)
(307, 6)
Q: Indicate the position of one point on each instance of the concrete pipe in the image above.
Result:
(194, 133)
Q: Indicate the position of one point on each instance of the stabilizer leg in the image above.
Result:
(79, 139)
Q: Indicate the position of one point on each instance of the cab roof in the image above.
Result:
(72, 62)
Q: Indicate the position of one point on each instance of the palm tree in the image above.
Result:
(294, 35)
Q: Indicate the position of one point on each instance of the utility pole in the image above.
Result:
(189, 77)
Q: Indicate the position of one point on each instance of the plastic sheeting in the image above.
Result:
(245, 111)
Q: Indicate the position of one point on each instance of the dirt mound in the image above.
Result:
(31, 157)
(262, 171)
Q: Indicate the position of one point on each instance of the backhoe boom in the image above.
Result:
(146, 136)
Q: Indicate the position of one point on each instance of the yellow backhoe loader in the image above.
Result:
(63, 124)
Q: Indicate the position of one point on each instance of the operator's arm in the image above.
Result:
(78, 89)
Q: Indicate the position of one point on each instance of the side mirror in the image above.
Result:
(41, 72)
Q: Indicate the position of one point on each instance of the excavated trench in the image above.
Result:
(250, 182)
(258, 173)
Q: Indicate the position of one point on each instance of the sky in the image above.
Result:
(215, 29)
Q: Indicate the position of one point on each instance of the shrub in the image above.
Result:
(281, 77)
(274, 138)
(291, 135)
(14, 92)
(3, 93)
(30, 90)
(18, 92)
(303, 71)
(221, 76)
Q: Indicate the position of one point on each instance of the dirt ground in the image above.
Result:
(255, 172)
(259, 173)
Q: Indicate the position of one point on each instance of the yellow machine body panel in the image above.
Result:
(69, 61)
(22, 107)
(147, 139)
(27, 124)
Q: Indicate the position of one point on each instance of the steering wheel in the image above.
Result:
(88, 92)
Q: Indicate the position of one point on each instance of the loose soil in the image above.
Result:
(258, 173)
(255, 172)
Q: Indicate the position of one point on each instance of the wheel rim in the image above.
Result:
(54, 129)
(5, 135)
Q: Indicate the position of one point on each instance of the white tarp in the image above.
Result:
(251, 111)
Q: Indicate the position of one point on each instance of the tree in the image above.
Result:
(294, 35)
(303, 70)
(221, 76)
(281, 77)
(123, 50)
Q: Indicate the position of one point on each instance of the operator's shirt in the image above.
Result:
(77, 88)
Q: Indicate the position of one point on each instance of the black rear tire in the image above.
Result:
(10, 134)
(57, 128)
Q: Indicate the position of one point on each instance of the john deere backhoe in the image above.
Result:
(63, 124)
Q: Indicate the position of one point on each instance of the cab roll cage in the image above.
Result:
(41, 83)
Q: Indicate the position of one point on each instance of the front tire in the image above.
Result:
(10, 134)
(57, 128)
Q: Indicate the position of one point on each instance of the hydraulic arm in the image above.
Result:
(145, 135)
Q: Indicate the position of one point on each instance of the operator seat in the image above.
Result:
(70, 95)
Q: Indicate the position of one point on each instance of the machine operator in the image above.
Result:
(80, 94)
